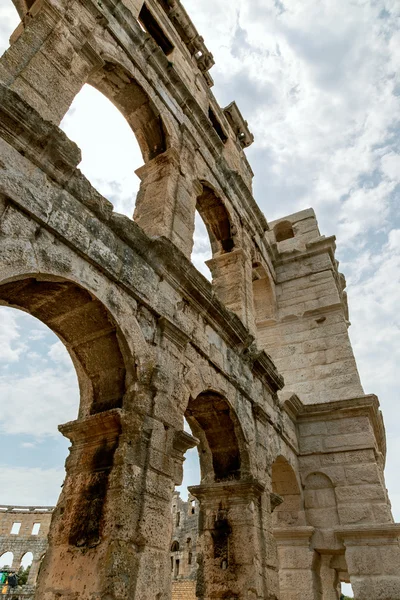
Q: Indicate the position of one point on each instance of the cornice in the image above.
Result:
(367, 533)
(367, 405)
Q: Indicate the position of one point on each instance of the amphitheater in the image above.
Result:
(292, 498)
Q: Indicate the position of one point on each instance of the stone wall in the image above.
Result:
(292, 497)
(184, 590)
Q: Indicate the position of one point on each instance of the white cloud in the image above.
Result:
(31, 486)
(11, 345)
(37, 402)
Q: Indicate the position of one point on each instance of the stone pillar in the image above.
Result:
(373, 560)
(298, 564)
(48, 63)
(166, 201)
(34, 570)
(110, 533)
(231, 277)
(330, 584)
(229, 555)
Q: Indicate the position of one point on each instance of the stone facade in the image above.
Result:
(185, 521)
(292, 497)
(24, 529)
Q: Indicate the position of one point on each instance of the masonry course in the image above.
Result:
(292, 499)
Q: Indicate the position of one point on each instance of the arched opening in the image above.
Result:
(320, 501)
(110, 150)
(283, 231)
(25, 568)
(175, 546)
(202, 251)
(286, 498)
(39, 390)
(87, 330)
(214, 423)
(133, 102)
(117, 128)
(217, 221)
(185, 529)
(6, 560)
(263, 295)
(94, 343)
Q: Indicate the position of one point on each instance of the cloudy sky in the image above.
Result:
(318, 81)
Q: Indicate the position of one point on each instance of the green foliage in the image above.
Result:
(23, 575)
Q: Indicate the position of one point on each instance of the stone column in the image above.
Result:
(110, 533)
(34, 570)
(298, 564)
(373, 560)
(231, 277)
(48, 61)
(229, 553)
(330, 583)
(166, 201)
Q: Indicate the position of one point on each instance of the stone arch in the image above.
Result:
(87, 329)
(264, 299)
(286, 499)
(222, 449)
(283, 231)
(31, 557)
(217, 219)
(175, 546)
(23, 6)
(320, 501)
(6, 558)
(135, 104)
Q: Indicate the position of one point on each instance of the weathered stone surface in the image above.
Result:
(292, 496)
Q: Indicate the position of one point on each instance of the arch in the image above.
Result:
(216, 219)
(264, 300)
(288, 504)
(222, 450)
(87, 329)
(6, 559)
(283, 231)
(134, 103)
(320, 501)
(23, 6)
(175, 546)
(26, 560)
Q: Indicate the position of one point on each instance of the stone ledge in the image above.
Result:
(367, 405)
(351, 534)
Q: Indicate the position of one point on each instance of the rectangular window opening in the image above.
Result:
(177, 567)
(178, 518)
(217, 125)
(36, 529)
(15, 528)
(149, 23)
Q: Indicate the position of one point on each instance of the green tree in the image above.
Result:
(23, 575)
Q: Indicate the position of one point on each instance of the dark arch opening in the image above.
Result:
(283, 231)
(213, 422)
(217, 221)
(87, 330)
(175, 546)
(133, 102)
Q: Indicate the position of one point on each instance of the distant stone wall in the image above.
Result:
(184, 590)
(30, 536)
